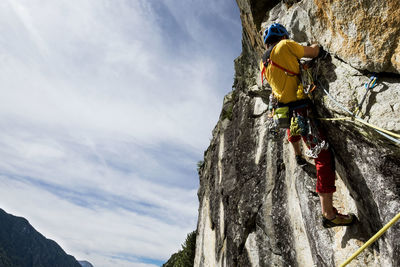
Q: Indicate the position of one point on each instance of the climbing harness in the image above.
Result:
(306, 74)
(287, 72)
(372, 239)
(299, 123)
(266, 60)
(303, 125)
(369, 85)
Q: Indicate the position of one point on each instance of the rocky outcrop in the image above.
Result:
(22, 246)
(257, 207)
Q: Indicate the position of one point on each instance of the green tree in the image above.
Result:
(184, 257)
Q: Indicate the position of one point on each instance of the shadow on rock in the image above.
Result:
(372, 98)
(357, 231)
(310, 179)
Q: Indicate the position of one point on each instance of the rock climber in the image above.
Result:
(282, 68)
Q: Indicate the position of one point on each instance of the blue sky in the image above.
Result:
(106, 108)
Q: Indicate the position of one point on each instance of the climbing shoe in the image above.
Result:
(339, 220)
(300, 161)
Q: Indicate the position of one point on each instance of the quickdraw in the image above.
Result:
(309, 74)
(369, 85)
(314, 142)
(313, 152)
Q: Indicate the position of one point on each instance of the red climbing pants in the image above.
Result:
(324, 165)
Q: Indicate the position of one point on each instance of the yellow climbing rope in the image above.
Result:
(371, 240)
(336, 119)
(378, 128)
(363, 122)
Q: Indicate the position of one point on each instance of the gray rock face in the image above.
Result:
(257, 207)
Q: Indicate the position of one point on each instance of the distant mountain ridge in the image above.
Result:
(22, 246)
(86, 264)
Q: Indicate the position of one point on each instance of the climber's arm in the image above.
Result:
(311, 51)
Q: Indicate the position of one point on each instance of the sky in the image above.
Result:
(106, 106)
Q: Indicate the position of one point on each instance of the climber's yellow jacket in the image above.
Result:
(285, 87)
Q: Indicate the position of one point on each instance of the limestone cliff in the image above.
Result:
(257, 207)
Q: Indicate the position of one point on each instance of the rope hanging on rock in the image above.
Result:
(388, 134)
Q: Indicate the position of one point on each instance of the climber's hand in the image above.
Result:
(322, 53)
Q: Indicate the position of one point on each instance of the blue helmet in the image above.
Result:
(275, 29)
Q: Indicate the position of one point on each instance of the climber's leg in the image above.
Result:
(327, 205)
(325, 172)
(295, 141)
(296, 147)
(325, 189)
(331, 217)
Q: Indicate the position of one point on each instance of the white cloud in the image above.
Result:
(96, 232)
(123, 87)
(78, 167)
(106, 107)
